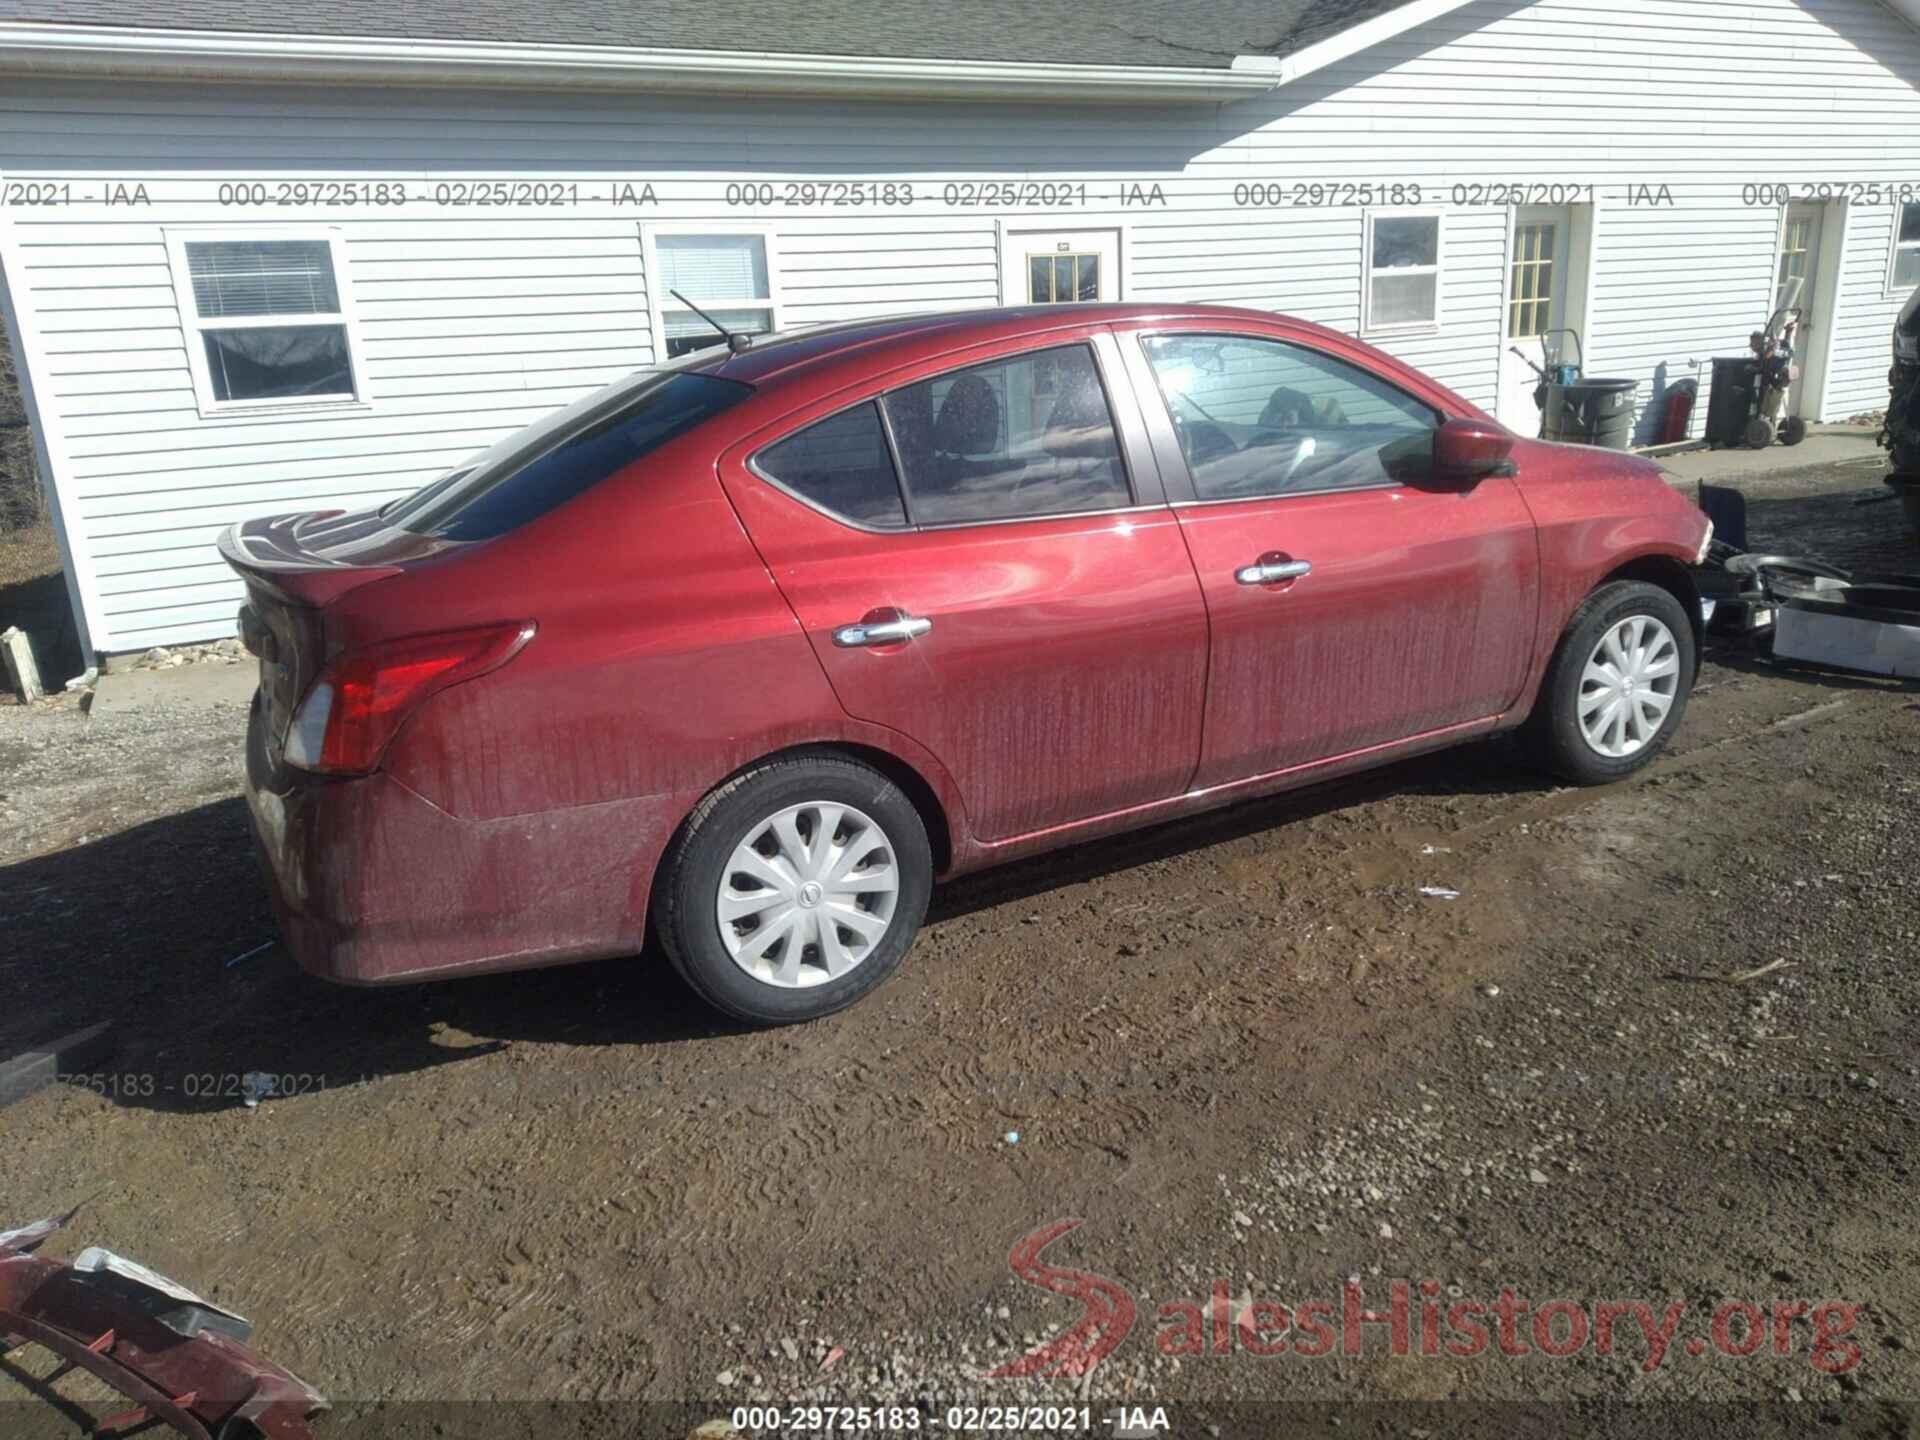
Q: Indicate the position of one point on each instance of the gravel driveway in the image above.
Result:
(1660, 1048)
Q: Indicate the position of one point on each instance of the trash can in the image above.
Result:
(1591, 412)
(1730, 405)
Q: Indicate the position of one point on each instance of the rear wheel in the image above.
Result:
(795, 888)
(1618, 683)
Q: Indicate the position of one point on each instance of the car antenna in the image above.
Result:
(735, 343)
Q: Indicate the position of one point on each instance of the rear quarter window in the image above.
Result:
(841, 465)
(536, 469)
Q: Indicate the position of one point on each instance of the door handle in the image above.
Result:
(882, 632)
(1265, 572)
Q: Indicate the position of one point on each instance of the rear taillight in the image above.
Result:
(361, 699)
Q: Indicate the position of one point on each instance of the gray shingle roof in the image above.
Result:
(1188, 33)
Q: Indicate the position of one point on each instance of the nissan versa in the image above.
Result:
(753, 646)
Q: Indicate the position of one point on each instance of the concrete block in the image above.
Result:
(22, 674)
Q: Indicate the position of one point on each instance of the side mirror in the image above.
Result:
(1467, 451)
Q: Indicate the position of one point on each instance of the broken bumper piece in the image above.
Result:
(179, 1358)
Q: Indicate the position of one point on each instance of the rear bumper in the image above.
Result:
(374, 884)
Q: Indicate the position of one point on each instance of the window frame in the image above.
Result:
(193, 325)
(659, 302)
(1895, 289)
(1013, 357)
(1368, 326)
(1109, 367)
(1171, 453)
(761, 472)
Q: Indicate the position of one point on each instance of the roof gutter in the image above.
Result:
(127, 53)
(1284, 69)
(1907, 10)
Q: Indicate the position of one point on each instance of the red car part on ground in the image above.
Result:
(175, 1356)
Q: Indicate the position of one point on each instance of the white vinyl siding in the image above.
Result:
(471, 320)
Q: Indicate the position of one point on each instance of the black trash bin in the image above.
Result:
(1730, 406)
(1591, 412)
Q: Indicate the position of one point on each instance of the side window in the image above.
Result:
(840, 464)
(1028, 435)
(1264, 417)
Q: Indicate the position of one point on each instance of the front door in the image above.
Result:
(1796, 282)
(1535, 309)
(1022, 607)
(1353, 604)
(1060, 267)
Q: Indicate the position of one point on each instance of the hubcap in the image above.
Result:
(1629, 685)
(807, 894)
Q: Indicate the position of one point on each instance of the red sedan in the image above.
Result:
(752, 647)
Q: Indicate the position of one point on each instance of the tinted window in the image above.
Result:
(1030, 435)
(842, 465)
(552, 460)
(1262, 417)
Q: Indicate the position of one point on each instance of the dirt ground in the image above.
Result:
(1660, 1048)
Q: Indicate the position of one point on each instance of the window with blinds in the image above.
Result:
(728, 276)
(1905, 269)
(1402, 290)
(265, 320)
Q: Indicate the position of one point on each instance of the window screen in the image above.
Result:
(842, 465)
(1262, 417)
(1030, 435)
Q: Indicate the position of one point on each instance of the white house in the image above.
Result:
(262, 257)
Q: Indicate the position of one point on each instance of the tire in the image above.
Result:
(1793, 430)
(1759, 433)
(778, 809)
(1560, 739)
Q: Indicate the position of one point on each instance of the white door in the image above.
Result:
(1536, 304)
(1796, 282)
(1060, 267)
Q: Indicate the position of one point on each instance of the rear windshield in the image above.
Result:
(532, 470)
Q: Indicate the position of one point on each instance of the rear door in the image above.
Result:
(1023, 605)
(1353, 603)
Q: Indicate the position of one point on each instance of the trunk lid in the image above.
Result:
(295, 566)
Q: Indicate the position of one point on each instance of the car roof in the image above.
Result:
(899, 339)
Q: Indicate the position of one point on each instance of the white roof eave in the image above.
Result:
(70, 50)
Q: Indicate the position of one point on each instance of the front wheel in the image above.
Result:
(1617, 685)
(794, 888)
